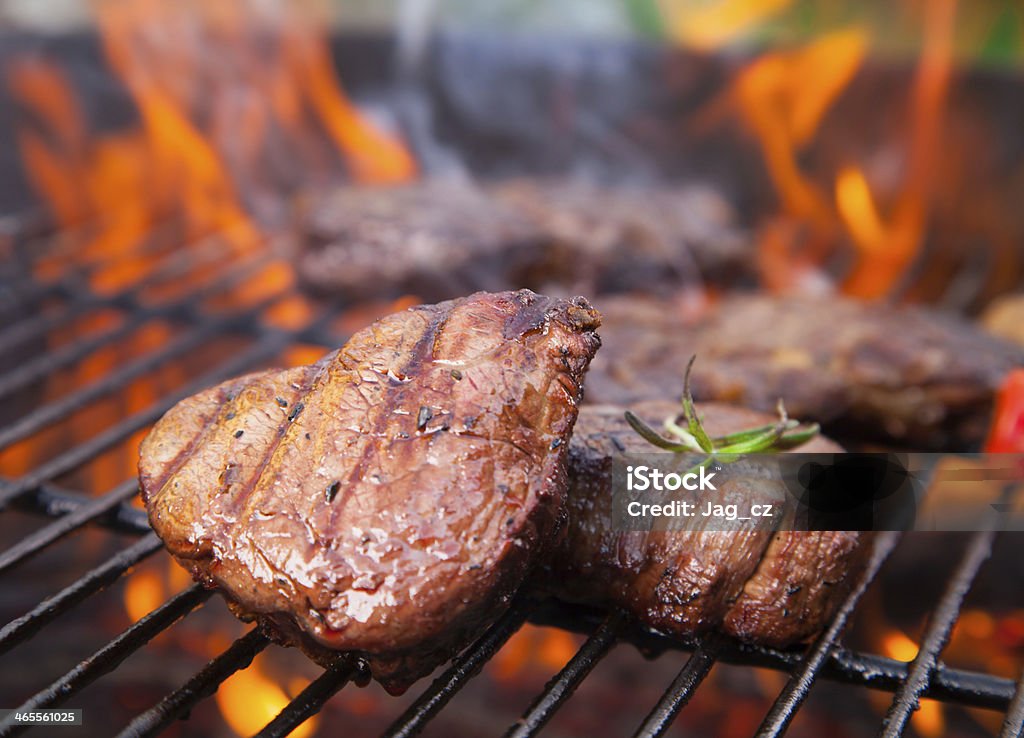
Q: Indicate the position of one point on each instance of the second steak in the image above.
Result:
(769, 587)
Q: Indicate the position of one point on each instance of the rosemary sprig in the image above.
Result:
(779, 436)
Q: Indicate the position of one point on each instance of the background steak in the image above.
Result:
(390, 498)
(902, 374)
(439, 239)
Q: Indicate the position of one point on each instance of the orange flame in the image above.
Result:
(249, 699)
(533, 647)
(782, 97)
(885, 255)
(897, 645)
(234, 104)
(929, 720)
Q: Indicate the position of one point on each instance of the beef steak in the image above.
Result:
(390, 498)
(898, 374)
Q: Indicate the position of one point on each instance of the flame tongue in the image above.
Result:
(238, 104)
(782, 97)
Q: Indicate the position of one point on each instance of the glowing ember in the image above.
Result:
(250, 699)
(143, 593)
(896, 645)
(534, 648)
(929, 719)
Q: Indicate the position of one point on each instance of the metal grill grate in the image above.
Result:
(219, 273)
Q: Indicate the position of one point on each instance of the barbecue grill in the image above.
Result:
(69, 511)
(221, 312)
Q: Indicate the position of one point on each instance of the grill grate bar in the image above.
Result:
(37, 541)
(679, 692)
(466, 666)
(937, 632)
(45, 365)
(177, 265)
(311, 699)
(270, 345)
(238, 656)
(802, 679)
(107, 573)
(1013, 726)
(55, 502)
(110, 656)
(562, 686)
(114, 381)
(869, 670)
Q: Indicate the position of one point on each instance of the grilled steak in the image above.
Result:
(863, 370)
(434, 239)
(619, 239)
(437, 239)
(773, 588)
(390, 498)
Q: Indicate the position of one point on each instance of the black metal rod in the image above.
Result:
(238, 656)
(466, 666)
(178, 264)
(32, 371)
(54, 501)
(310, 700)
(936, 635)
(1013, 726)
(116, 380)
(107, 573)
(562, 686)
(801, 680)
(40, 539)
(679, 692)
(271, 344)
(973, 689)
(111, 655)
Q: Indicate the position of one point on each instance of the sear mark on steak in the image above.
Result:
(345, 517)
(769, 587)
(869, 371)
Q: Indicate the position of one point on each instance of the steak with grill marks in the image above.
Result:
(769, 587)
(389, 499)
(897, 374)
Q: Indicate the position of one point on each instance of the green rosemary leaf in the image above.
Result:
(690, 413)
(652, 436)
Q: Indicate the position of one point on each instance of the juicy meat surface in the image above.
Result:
(908, 375)
(440, 239)
(390, 498)
(770, 587)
